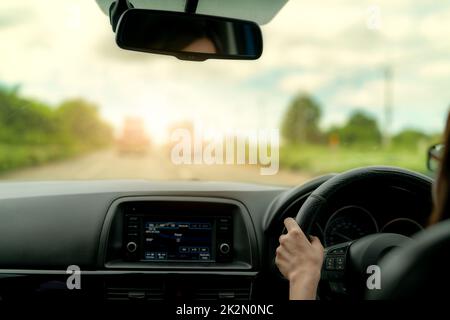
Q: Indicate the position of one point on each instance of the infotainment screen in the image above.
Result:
(177, 240)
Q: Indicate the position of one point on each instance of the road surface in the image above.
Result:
(155, 165)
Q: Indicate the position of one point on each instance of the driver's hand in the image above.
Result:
(299, 261)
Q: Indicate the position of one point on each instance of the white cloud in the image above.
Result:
(435, 69)
(308, 82)
(368, 96)
(435, 26)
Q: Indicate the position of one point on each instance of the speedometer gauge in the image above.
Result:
(347, 224)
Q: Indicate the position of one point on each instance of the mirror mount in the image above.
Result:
(117, 9)
(191, 6)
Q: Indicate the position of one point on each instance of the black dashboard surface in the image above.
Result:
(50, 225)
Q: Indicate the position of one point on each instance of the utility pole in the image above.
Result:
(388, 106)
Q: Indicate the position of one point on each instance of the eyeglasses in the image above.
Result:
(434, 158)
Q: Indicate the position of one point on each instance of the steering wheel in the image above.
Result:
(345, 269)
(419, 271)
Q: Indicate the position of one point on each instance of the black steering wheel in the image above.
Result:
(345, 268)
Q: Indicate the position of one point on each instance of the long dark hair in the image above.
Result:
(441, 209)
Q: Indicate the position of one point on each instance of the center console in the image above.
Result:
(182, 233)
(167, 237)
(171, 247)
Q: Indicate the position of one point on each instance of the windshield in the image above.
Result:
(340, 85)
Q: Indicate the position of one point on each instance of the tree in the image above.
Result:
(301, 121)
(360, 129)
(81, 122)
(24, 120)
(409, 138)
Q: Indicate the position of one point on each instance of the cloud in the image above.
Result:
(435, 70)
(307, 82)
(435, 26)
(369, 95)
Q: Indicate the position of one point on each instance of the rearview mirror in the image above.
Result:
(188, 36)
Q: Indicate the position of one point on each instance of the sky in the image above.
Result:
(335, 50)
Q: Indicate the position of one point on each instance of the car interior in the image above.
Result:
(201, 239)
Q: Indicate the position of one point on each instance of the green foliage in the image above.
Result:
(410, 138)
(24, 121)
(320, 159)
(80, 122)
(301, 121)
(361, 129)
(32, 132)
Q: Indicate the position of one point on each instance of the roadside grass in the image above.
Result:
(20, 156)
(309, 159)
(320, 159)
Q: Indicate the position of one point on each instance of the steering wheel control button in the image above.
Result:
(340, 263)
(337, 251)
(330, 263)
(224, 248)
(131, 246)
(338, 287)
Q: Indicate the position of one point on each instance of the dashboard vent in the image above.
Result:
(148, 294)
(178, 288)
(219, 294)
(222, 291)
(134, 288)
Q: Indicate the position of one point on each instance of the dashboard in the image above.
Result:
(139, 240)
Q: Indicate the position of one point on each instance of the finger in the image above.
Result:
(286, 245)
(280, 252)
(283, 239)
(277, 262)
(284, 251)
(293, 227)
(290, 224)
(315, 242)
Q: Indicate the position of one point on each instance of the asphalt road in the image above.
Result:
(155, 165)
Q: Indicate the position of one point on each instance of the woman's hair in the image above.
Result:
(441, 210)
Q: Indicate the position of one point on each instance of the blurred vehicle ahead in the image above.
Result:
(133, 138)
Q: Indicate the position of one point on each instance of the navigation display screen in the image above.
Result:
(177, 240)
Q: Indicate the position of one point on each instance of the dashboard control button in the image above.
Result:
(224, 220)
(131, 246)
(224, 248)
